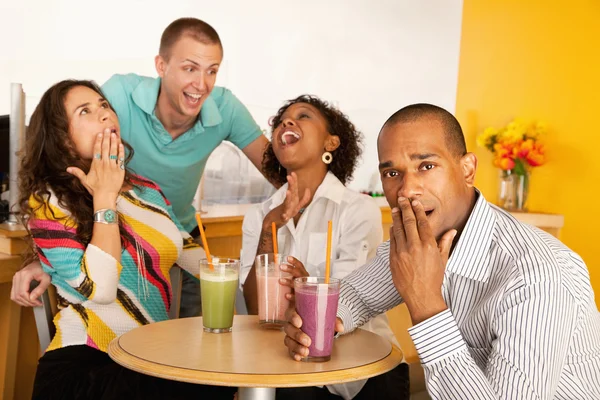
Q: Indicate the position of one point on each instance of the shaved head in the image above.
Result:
(455, 139)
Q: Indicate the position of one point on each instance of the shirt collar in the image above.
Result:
(145, 97)
(471, 255)
(331, 188)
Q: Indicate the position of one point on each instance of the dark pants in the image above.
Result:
(81, 372)
(393, 385)
(191, 302)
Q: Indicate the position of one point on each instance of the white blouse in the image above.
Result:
(357, 231)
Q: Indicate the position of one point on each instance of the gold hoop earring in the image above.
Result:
(327, 157)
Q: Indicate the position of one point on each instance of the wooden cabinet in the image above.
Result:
(19, 346)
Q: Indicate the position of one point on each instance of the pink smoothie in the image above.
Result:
(272, 302)
(318, 309)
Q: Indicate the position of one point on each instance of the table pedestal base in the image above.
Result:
(247, 393)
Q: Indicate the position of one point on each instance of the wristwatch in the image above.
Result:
(106, 216)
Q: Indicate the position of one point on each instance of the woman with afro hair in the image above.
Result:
(313, 153)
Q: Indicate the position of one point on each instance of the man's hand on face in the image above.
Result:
(417, 261)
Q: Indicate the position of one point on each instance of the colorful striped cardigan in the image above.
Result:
(100, 298)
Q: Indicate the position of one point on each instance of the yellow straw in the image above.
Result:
(274, 234)
(204, 241)
(328, 256)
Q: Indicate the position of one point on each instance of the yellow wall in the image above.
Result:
(540, 60)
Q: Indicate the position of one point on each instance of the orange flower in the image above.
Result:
(525, 147)
(535, 159)
(504, 163)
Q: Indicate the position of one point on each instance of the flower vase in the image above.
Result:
(514, 190)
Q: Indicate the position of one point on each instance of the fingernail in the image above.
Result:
(395, 210)
(306, 343)
(305, 352)
(113, 135)
(282, 280)
(100, 135)
(69, 170)
(290, 259)
(415, 203)
(283, 267)
(401, 198)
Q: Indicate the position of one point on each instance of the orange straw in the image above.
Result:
(204, 242)
(328, 256)
(274, 234)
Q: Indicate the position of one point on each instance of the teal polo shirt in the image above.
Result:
(176, 165)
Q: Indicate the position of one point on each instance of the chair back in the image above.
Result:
(44, 314)
(176, 282)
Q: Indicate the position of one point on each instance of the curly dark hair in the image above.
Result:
(47, 153)
(345, 157)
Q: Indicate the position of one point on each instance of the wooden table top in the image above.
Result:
(248, 357)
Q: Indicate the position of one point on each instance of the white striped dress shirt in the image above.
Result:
(521, 321)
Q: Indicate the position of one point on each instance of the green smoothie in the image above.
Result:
(218, 290)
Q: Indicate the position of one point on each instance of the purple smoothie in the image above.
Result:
(317, 306)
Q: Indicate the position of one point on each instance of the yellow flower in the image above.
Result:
(487, 137)
(514, 131)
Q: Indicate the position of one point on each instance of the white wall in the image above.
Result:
(370, 57)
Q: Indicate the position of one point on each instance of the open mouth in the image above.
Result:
(114, 130)
(192, 98)
(289, 138)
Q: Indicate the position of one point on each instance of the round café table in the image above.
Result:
(251, 358)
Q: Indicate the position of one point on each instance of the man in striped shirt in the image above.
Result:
(501, 310)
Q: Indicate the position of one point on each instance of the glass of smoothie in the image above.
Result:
(218, 286)
(317, 303)
(272, 302)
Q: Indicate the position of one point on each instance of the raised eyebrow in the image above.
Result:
(423, 156)
(80, 106)
(198, 65)
(385, 164)
(191, 61)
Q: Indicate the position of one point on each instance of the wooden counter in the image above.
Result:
(223, 224)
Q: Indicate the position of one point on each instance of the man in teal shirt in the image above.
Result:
(173, 123)
(177, 164)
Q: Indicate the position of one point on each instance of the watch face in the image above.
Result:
(110, 216)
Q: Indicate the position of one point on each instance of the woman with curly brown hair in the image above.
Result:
(107, 238)
(315, 149)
